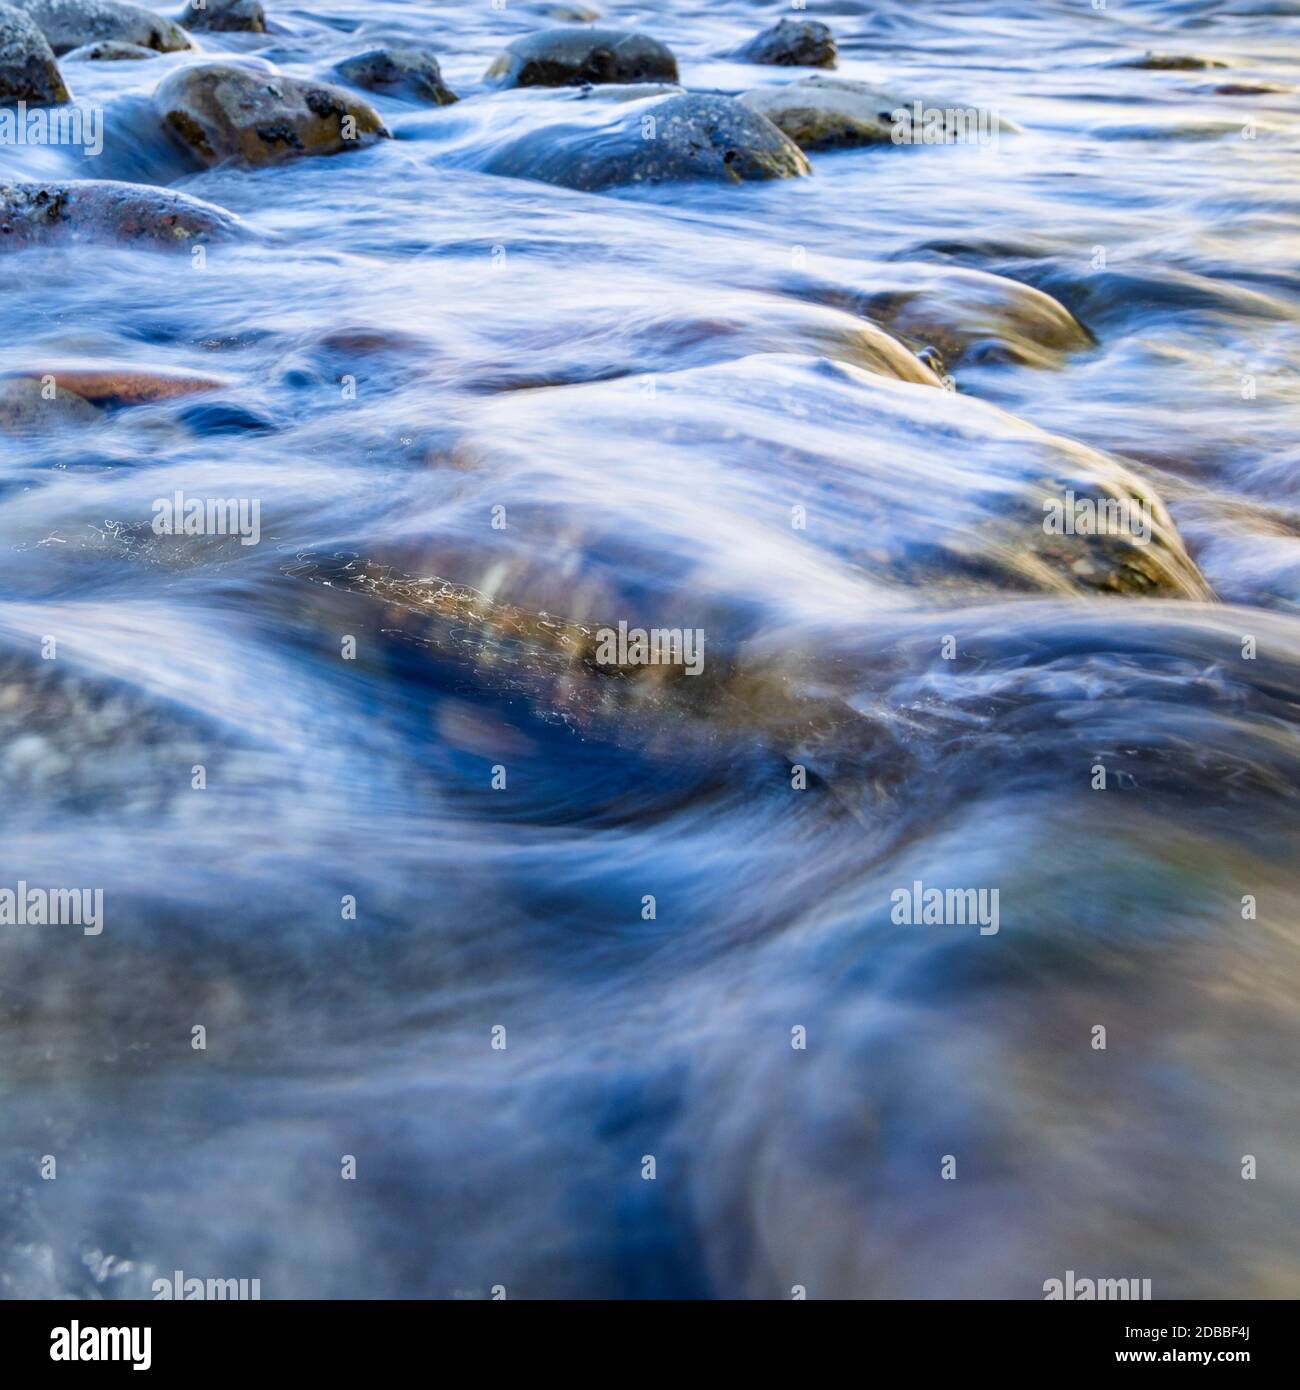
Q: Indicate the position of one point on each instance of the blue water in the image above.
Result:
(649, 382)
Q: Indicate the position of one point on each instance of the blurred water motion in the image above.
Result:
(645, 389)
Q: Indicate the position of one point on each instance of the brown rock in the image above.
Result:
(220, 112)
(28, 405)
(119, 385)
(33, 214)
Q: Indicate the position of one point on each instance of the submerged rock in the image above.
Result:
(974, 316)
(109, 51)
(33, 214)
(571, 14)
(1173, 62)
(802, 43)
(398, 72)
(224, 16)
(965, 315)
(118, 386)
(730, 327)
(219, 111)
(572, 57)
(76, 739)
(69, 24)
(628, 91)
(1248, 89)
(917, 489)
(225, 417)
(28, 404)
(45, 397)
(28, 71)
(627, 336)
(679, 137)
(911, 494)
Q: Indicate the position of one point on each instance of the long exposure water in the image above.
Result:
(360, 814)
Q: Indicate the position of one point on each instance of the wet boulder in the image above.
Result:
(69, 24)
(219, 112)
(821, 113)
(793, 43)
(573, 57)
(35, 214)
(688, 136)
(966, 316)
(398, 72)
(109, 51)
(28, 71)
(224, 16)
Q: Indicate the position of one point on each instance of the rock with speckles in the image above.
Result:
(118, 385)
(28, 71)
(800, 43)
(35, 214)
(219, 112)
(398, 72)
(688, 136)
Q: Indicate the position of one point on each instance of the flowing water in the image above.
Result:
(483, 417)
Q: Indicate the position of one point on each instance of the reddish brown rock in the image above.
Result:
(34, 214)
(128, 385)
